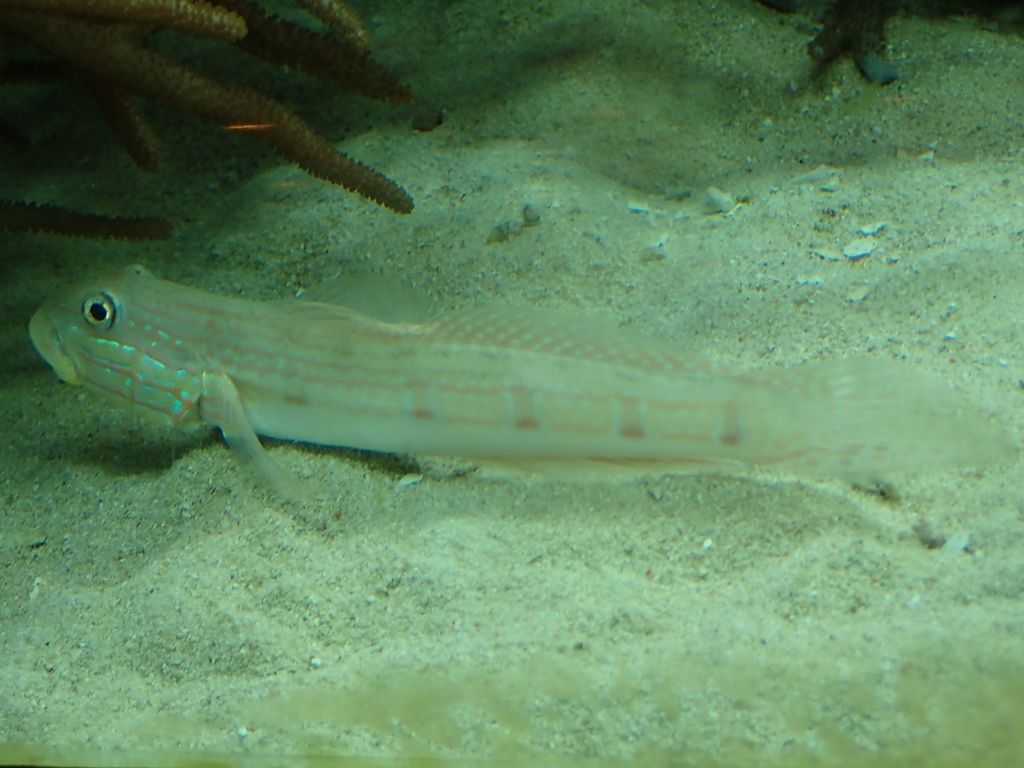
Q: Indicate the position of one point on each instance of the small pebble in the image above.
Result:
(409, 480)
(427, 119)
(531, 216)
(858, 294)
(927, 535)
(37, 587)
(652, 253)
(859, 248)
(876, 69)
(872, 229)
(719, 201)
(823, 174)
(505, 231)
(21, 537)
(656, 251)
(957, 543)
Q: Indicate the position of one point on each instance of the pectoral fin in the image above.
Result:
(221, 406)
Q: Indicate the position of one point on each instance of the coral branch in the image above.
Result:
(337, 15)
(16, 216)
(322, 57)
(129, 126)
(102, 44)
(112, 58)
(192, 16)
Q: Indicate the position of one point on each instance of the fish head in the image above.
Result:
(101, 335)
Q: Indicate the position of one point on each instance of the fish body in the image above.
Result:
(491, 382)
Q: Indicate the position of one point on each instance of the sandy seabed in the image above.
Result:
(156, 606)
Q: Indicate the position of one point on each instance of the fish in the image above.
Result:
(493, 382)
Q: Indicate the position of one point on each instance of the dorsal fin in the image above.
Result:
(374, 295)
(561, 333)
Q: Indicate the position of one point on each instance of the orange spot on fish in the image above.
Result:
(634, 431)
(249, 126)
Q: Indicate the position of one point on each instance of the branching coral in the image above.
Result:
(101, 45)
(856, 27)
(29, 217)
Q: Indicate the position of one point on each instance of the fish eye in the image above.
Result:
(99, 310)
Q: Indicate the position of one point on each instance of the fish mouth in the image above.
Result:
(46, 340)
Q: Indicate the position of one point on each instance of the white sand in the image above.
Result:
(659, 620)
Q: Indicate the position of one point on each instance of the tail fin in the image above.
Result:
(868, 419)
